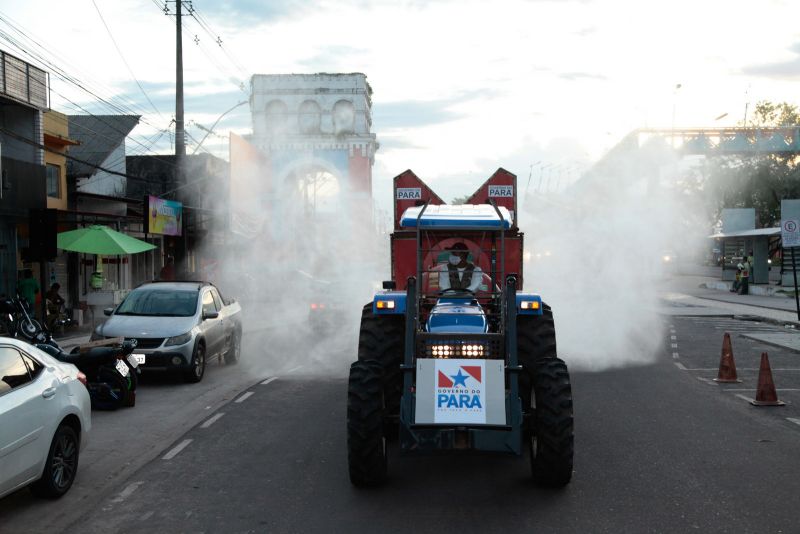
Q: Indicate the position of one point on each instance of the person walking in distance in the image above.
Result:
(737, 281)
(744, 286)
(168, 270)
(28, 287)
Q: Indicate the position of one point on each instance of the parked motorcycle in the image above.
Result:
(18, 321)
(110, 372)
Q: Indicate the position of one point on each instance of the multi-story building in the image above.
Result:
(57, 142)
(24, 96)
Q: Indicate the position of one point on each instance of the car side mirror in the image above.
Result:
(210, 314)
(108, 311)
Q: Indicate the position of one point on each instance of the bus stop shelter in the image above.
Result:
(737, 245)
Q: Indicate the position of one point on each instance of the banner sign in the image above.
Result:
(460, 391)
(163, 216)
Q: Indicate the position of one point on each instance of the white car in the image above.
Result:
(45, 419)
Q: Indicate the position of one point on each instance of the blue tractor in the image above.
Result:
(460, 359)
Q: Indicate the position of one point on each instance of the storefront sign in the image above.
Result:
(163, 216)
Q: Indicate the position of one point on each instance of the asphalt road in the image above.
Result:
(124, 441)
(657, 450)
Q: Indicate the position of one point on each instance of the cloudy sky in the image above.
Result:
(460, 87)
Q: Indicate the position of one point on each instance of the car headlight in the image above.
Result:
(179, 340)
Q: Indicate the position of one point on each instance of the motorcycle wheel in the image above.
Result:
(130, 395)
(29, 328)
(110, 391)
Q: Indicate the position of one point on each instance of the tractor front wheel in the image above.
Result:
(536, 340)
(381, 339)
(366, 440)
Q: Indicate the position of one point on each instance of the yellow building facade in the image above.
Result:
(56, 141)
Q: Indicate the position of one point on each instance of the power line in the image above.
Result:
(100, 118)
(204, 24)
(44, 62)
(111, 36)
(36, 144)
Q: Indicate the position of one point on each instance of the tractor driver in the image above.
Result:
(460, 273)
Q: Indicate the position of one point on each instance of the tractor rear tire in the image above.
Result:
(366, 440)
(551, 435)
(536, 340)
(382, 339)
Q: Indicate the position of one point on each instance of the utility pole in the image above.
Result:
(180, 135)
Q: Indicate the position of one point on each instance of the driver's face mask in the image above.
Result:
(455, 260)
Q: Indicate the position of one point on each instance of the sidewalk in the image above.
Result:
(688, 296)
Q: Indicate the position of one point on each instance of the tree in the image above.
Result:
(758, 181)
(460, 200)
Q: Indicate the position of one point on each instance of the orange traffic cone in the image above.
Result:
(727, 367)
(766, 394)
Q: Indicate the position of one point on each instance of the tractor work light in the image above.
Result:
(442, 351)
(457, 351)
(385, 304)
(529, 305)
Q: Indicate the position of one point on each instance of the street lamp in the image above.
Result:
(209, 130)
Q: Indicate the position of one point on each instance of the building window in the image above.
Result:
(53, 181)
(344, 115)
(277, 117)
(309, 117)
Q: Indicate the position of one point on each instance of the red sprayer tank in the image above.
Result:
(410, 190)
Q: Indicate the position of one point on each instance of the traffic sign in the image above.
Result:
(790, 233)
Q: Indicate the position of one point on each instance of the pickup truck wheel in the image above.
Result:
(198, 369)
(234, 350)
(381, 339)
(366, 439)
(61, 464)
(551, 435)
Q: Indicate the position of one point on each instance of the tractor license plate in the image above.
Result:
(136, 359)
(460, 391)
(122, 368)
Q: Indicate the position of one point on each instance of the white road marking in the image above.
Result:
(244, 397)
(754, 389)
(211, 420)
(675, 356)
(674, 345)
(293, 369)
(127, 492)
(743, 369)
(680, 366)
(794, 420)
(707, 380)
(176, 449)
(748, 399)
(673, 338)
(147, 515)
(268, 380)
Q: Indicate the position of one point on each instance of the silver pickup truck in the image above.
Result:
(178, 325)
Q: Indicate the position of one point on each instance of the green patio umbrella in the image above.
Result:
(101, 240)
